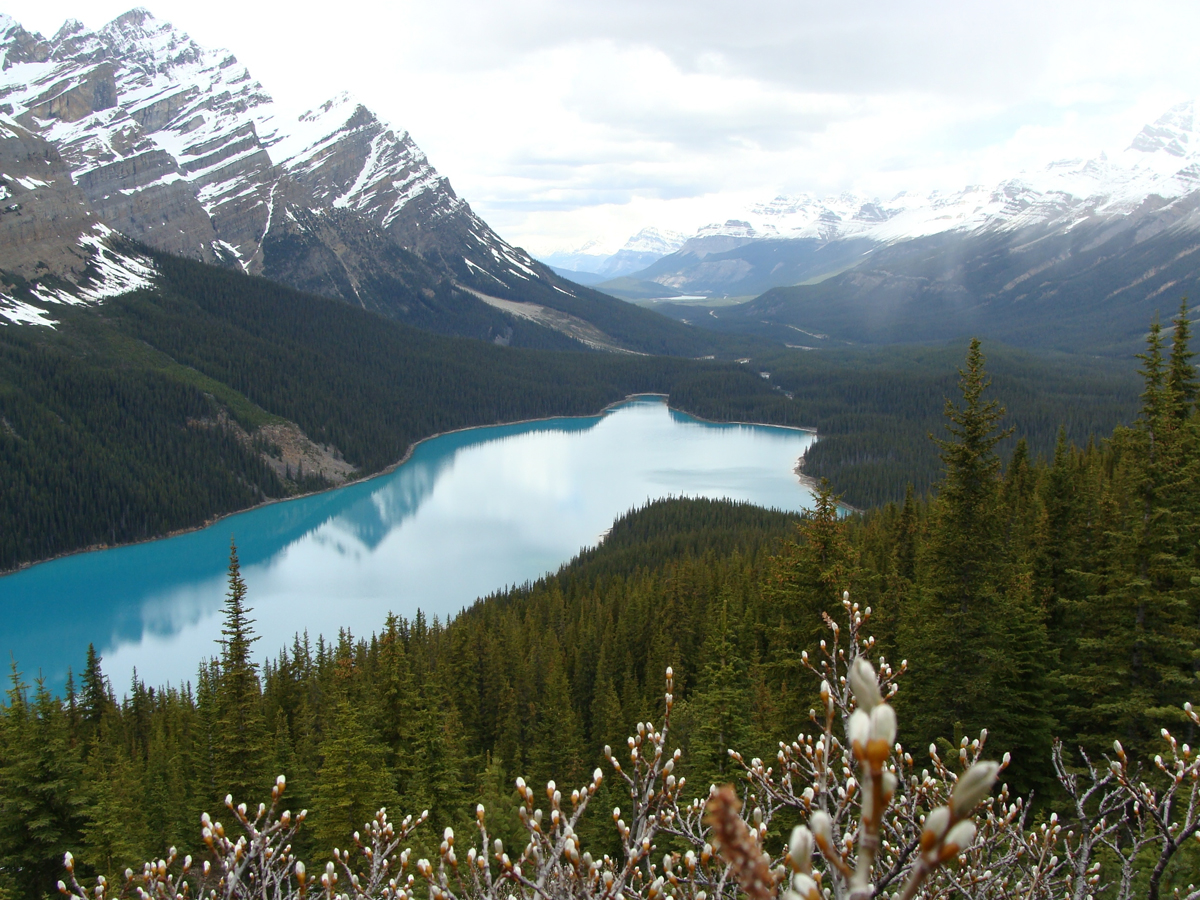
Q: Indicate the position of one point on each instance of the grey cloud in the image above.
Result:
(944, 46)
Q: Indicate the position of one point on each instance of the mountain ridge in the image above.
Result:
(178, 148)
(1146, 187)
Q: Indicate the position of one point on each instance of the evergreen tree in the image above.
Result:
(41, 806)
(719, 711)
(115, 833)
(353, 782)
(805, 580)
(96, 697)
(557, 740)
(1181, 371)
(1135, 658)
(241, 749)
(972, 631)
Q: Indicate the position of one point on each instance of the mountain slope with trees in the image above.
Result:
(145, 414)
(1039, 600)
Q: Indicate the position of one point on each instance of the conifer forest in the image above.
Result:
(982, 690)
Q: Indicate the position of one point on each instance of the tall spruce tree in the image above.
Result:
(353, 781)
(241, 748)
(1135, 657)
(806, 579)
(973, 633)
(1181, 371)
(719, 711)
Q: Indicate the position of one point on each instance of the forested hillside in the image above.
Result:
(875, 409)
(121, 424)
(1036, 600)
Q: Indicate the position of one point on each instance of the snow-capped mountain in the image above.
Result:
(588, 257)
(1152, 185)
(1078, 255)
(644, 248)
(1162, 161)
(639, 251)
(178, 147)
(654, 240)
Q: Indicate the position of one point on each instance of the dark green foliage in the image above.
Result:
(92, 452)
(41, 806)
(117, 426)
(240, 756)
(875, 409)
(973, 631)
(1039, 599)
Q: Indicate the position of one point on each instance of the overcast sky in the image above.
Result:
(563, 122)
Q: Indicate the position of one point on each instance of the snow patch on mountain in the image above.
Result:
(110, 272)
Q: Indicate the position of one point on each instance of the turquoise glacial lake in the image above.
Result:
(469, 513)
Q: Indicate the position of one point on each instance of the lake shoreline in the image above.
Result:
(392, 468)
(814, 484)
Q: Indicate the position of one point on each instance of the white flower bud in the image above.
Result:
(889, 785)
(803, 888)
(859, 729)
(865, 685)
(974, 785)
(822, 826)
(960, 837)
(936, 822)
(883, 724)
(800, 848)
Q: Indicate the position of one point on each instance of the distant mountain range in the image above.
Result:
(1077, 255)
(134, 134)
(644, 248)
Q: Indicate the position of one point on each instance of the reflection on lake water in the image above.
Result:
(470, 513)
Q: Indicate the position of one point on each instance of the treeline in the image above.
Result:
(1039, 600)
(109, 425)
(875, 409)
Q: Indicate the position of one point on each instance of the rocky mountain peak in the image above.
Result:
(654, 240)
(180, 148)
(20, 46)
(1174, 132)
(69, 29)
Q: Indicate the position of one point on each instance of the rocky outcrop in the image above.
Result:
(75, 97)
(146, 197)
(42, 212)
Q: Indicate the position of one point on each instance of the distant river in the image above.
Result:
(468, 514)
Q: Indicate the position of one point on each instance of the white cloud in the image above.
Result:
(562, 122)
